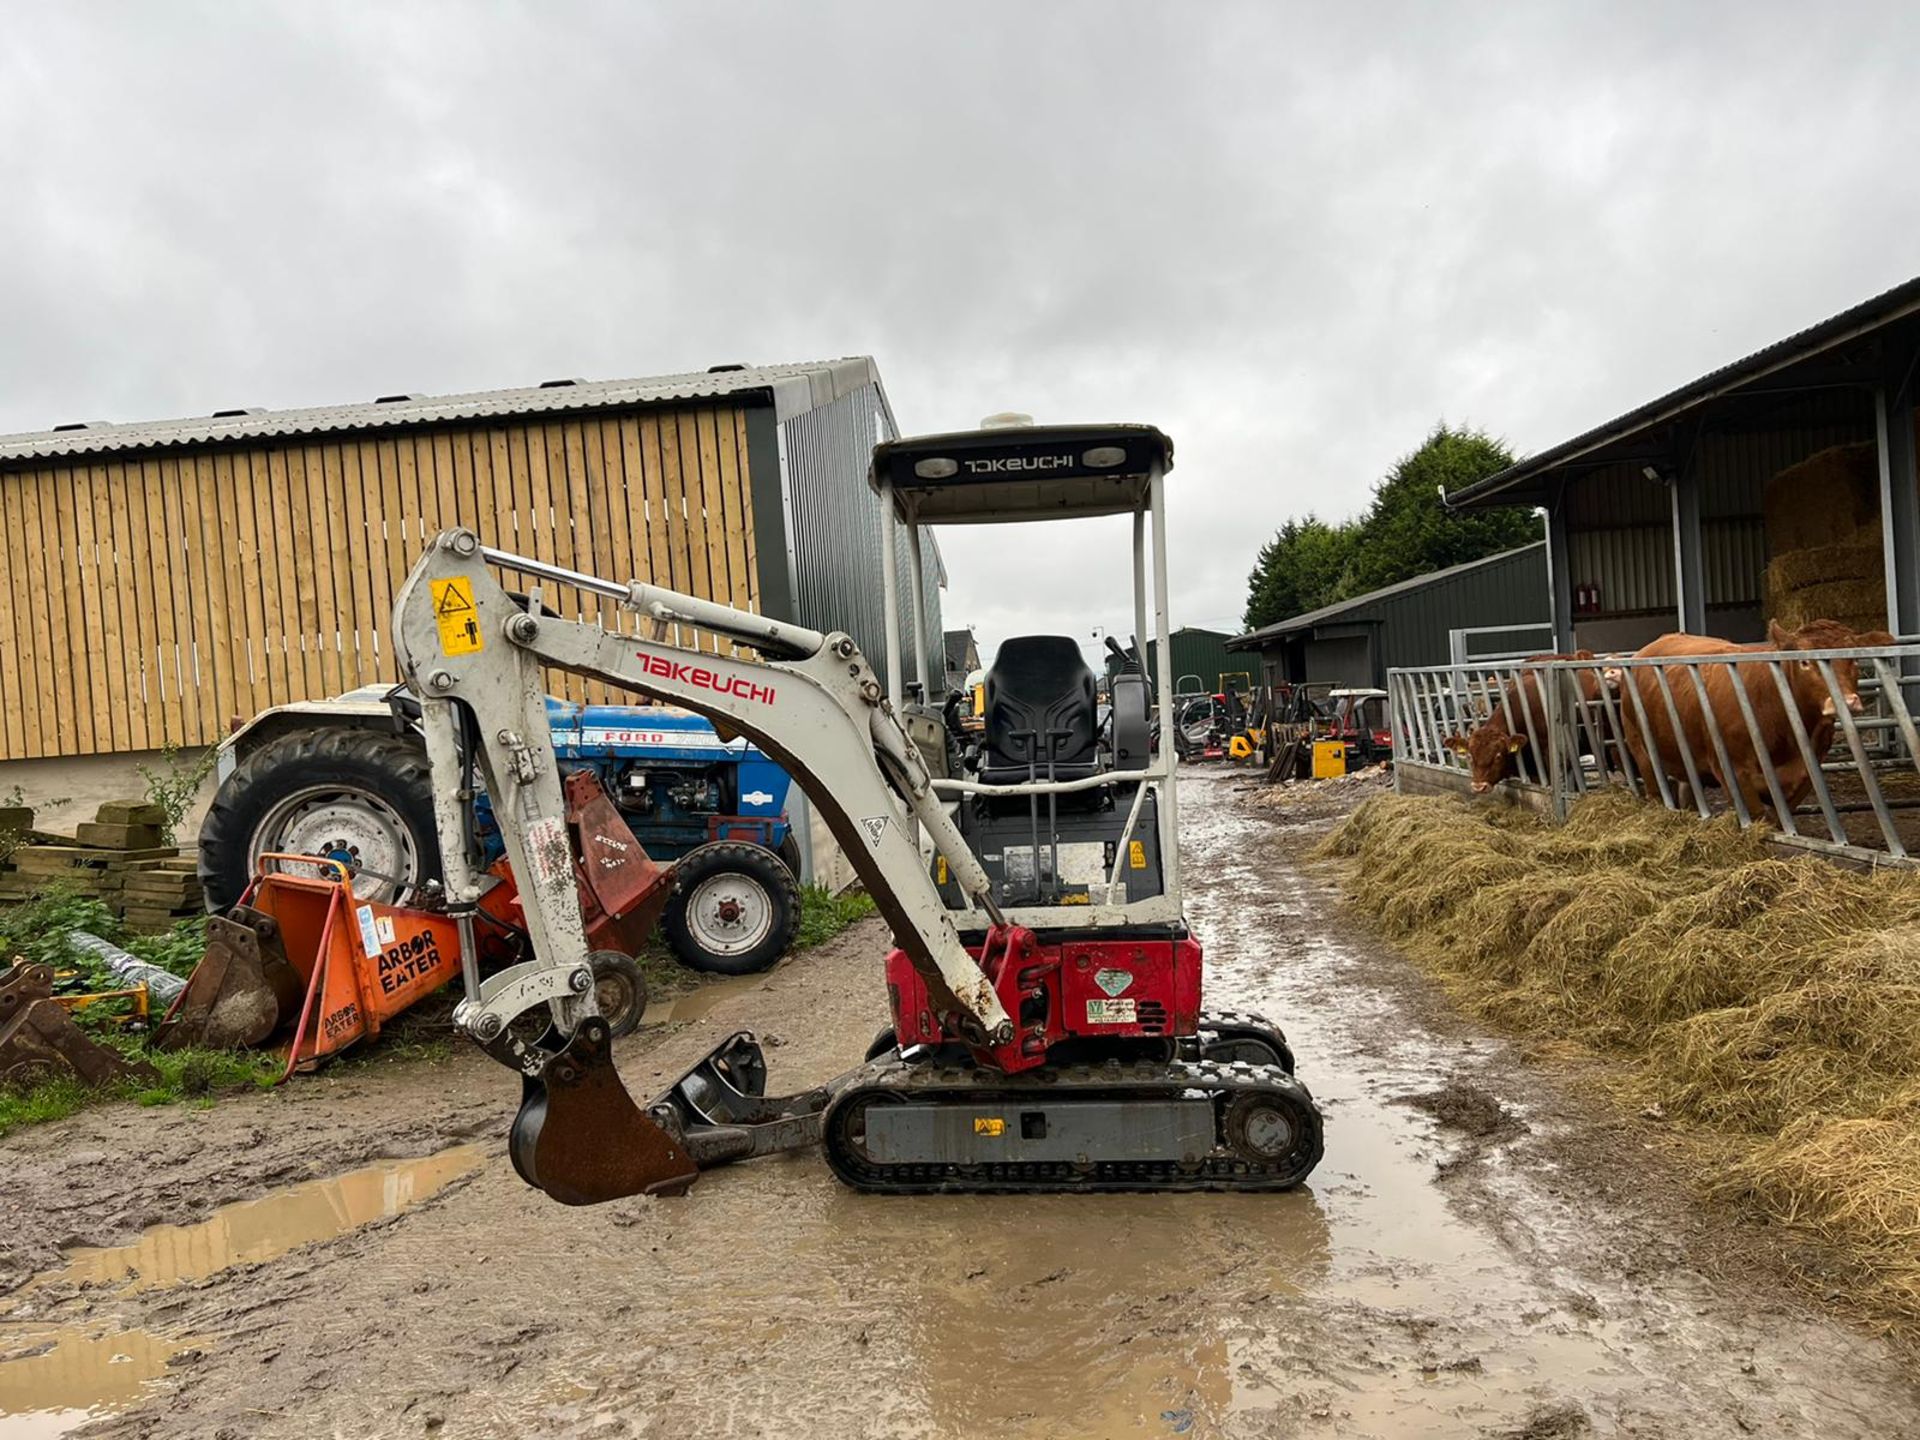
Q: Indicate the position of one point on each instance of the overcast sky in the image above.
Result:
(1295, 238)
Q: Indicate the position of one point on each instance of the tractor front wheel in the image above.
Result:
(735, 909)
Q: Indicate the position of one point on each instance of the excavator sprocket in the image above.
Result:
(241, 992)
(580, 1137)
(39, 1041)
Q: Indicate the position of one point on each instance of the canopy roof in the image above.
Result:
(1020, 472)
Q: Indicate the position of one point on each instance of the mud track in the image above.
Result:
(1486, 1251)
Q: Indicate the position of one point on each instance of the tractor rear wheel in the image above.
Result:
(362, 797)
(735, 909)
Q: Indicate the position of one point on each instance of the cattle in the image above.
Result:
(1814, 703)
(1494, 749)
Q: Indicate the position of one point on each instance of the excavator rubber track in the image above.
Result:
(897, 1127)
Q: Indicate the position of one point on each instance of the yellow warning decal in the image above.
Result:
(989, 1125)
(1137, 854)
(457, 616)
(940, 870)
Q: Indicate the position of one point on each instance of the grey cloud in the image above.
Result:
(1293, 236)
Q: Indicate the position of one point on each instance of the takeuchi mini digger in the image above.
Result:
(1048, 1032)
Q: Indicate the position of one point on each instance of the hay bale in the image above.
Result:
(1860, 558)
(1824, 500)
(1857, 604)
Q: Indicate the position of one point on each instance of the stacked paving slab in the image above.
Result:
(120, 857)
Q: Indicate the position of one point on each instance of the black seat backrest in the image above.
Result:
(1039, 687)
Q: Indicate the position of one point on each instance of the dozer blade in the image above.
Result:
(580, 1137)
(39, 1041)
(241, 992)
(721, 1111)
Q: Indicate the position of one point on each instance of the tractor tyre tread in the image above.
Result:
(393, 766)
(761, 865)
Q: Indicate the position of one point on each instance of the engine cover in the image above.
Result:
(1115, 987)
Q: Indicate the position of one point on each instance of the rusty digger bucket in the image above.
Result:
(242, 991)
(40, 1042)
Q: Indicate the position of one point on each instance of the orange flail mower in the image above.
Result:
(303, 962)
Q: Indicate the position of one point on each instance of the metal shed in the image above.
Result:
(1781, 485)
(1196, 652)
(1355, 642)
(159, 579)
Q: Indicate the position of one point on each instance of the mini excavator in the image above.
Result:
(1046, 992)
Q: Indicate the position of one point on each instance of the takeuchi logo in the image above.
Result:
(701, 678)
(1003, 464)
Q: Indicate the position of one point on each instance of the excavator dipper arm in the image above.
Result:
(475, 654)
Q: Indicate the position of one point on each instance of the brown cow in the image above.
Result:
(1811, 699)
(1493, 749)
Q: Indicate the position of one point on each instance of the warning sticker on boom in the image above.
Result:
(457, 616)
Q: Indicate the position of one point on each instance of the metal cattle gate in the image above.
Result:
(1861, 795)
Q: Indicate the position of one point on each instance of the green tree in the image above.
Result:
(1300, 569)
(1405, 531)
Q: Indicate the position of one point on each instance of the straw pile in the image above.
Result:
(1775, 1001)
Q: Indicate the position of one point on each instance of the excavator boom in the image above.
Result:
(474, 654)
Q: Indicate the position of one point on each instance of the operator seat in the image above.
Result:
(1040, 707)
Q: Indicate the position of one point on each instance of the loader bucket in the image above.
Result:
(39, 1041)
(580, 1137)
(242, 991)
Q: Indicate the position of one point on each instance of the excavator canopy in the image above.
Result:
(1020, 472)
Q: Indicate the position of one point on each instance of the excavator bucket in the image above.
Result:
(39, 1041)
(580, 1137)
(242, 991)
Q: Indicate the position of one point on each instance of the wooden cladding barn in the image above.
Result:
(158, 581)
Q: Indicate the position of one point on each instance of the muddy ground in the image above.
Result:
(1487, 1250)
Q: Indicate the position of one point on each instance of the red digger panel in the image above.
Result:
(1124, 988)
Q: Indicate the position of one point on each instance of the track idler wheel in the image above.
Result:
(580, 1137)
(1276, 1130)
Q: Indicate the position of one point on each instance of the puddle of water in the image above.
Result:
(74, 1377)
(250, 1231)
(699, 1003)
(1052, 1315)
(62, 1378)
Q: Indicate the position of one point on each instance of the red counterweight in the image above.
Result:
(1117, 988)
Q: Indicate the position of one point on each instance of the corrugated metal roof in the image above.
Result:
(1253, 638)
(794, 389)
(1883, 309)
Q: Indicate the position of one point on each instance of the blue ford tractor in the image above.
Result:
(342, 779)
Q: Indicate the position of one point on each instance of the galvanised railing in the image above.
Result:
(1780, 736)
